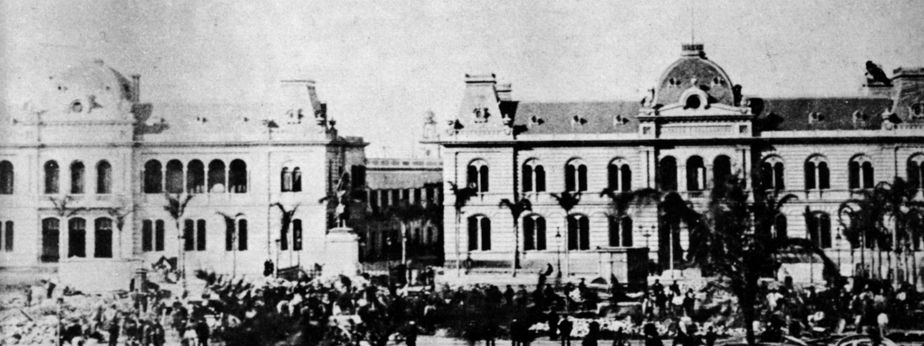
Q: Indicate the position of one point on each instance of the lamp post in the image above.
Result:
(670, 255)
(558, 256)
(646, 232)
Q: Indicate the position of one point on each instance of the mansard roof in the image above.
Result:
(592, 117)
(831, 113)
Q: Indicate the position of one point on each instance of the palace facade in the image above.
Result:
(695, 127)
(88, 169)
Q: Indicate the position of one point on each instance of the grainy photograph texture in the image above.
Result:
(670, 172)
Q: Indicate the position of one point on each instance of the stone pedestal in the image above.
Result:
(341, 252)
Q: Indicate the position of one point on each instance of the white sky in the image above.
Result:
(381, 64)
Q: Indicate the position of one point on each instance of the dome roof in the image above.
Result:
(95, 77)
(88, 88)
(694, 70)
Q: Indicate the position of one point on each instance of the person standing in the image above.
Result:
(593, 334)
(564, 327)
(651, 335)
(203, 332)
(410, 334)
(114, 331)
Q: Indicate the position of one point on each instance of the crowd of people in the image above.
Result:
(340, 310)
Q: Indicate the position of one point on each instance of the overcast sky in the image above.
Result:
(381, 64)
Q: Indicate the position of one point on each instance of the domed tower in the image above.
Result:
(694, 98)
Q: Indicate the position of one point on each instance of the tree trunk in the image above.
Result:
(458, 237)
(516, 246)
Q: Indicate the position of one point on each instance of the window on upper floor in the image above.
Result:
(103, 177)
(575, 176)
(771, 174)
(533, 176)
(77, 177)
(667, 173)
(860, 173)
(174, 176)
(6, 178)
(477, 175)
(237, 176)
(534, 233)
(285, 180)
(619, 175)
(216, 176)
(817, 174)
(696, 174)
(153, 177)
(195, 177)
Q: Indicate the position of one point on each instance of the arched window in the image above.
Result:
(619, 175)
(916, 170)
(297, 235)
(77, 238)
(696, 174)
(817, 173)
(578, 232)
(8, 236)
(477, 175)
(297, 180)
(771, 174)
(533, 176)
(534, 233)
(216, 176)
(153, 177)
(103, 177)
(77, 177)
(621, 231)
(860, 173)
(6, 178)
(147, 235)
(479, 233)
(779, 227)
(237, 177)
(195, 177)
(285, 179)
(51, 233)
(818, 226)
(668, 173)
(174, 176)
(575, 176)
(102, 237)
(721, 170)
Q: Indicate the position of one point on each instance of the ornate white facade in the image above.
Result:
(89, 153)
(694, 127)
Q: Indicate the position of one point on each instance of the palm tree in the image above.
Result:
(176, 207)
(118, 214)
(229, 226)
(285, 219)
(516, 209)
(901, 209)
(734, 240)
(462, 195)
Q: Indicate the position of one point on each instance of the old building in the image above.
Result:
(694, 128)
(87, 170)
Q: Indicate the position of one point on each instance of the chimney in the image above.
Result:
(301, 94)
(504, 92)
(136, 88)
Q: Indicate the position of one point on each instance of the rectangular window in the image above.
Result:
(8, 236)
(200, 235)
(103, 238)
(229, 235)
(189, 237)
(147, 235)
(297, 235)
(242, 235)
(159, 235)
